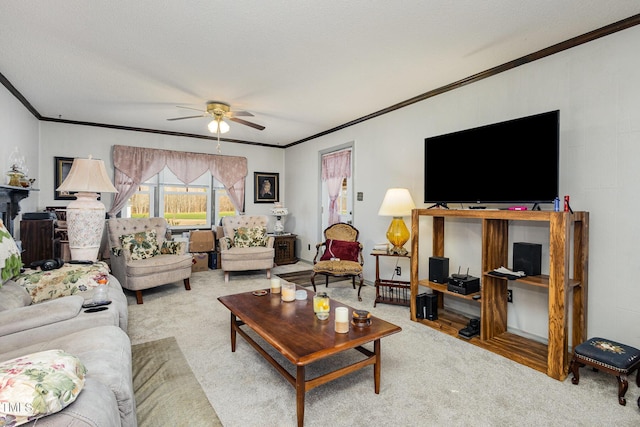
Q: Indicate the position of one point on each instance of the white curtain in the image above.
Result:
(335, 168)
(135, 165)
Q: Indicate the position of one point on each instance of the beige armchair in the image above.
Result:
(143, 259)
(245, 245)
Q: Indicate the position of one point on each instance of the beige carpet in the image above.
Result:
(428, 378)
(166, 391)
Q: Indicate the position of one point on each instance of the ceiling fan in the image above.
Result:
(219, 111)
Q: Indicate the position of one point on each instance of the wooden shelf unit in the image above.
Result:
(551, 358)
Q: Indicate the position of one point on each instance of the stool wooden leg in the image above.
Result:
(623, 385)
(574, 367)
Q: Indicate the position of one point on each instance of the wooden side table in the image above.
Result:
(285, 249)
(388, 291)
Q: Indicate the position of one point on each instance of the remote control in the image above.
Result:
(95, 304)
(80, 261)
(96, 309)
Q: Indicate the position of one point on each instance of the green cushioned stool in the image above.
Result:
(609, 356)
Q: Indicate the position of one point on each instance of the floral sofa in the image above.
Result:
(60, 365)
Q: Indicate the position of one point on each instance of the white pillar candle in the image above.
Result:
(342, 320)
(275, 286)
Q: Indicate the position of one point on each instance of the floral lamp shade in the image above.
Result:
(10, 260)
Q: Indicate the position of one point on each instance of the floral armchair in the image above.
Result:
(246, 245)
(141, 257)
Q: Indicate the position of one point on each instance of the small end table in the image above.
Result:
(388, 291)
(285, 248)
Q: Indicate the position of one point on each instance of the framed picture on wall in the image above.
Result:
(62, 168)
(266, 187)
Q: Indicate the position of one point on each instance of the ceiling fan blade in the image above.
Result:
(240, 113)
(187, 117)
(244, 122)
(191, 108)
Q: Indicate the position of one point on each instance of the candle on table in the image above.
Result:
(275, 286)
(288, 292)
(342, 320)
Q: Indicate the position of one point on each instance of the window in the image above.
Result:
(184, 207)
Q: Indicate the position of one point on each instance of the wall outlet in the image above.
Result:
(309, 246)
(509, 295)
(398, 271)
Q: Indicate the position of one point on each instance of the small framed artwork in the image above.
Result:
(62, 168)
(266, 187)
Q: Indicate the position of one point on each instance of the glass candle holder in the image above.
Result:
(321, 305)
(288, 292)
(101, 294)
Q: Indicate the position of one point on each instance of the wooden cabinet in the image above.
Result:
(551, 358)
(285, 249)
(38, 240)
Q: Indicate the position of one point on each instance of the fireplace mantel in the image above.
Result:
(10, 197)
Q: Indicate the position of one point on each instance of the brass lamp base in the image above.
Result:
(398, 251)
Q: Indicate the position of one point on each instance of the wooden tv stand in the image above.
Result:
(552, 358)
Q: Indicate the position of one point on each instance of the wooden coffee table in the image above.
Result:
(295, 332)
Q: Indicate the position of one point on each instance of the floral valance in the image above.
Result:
(135, 165)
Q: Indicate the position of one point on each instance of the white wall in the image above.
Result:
(18, 128)
(597, 90)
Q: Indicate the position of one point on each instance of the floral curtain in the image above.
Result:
(335, 168)
(135, 165)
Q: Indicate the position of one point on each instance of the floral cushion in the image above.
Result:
(171, 247)
(141, 245)
(38, 384)
(67, 280)
(246, 237)
(10, 260)
(343, 250)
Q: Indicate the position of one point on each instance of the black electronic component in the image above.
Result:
(95, 304)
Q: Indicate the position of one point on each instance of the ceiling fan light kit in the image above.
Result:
(220, 111)
(218, 124)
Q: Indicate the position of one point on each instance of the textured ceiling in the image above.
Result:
(301, 67)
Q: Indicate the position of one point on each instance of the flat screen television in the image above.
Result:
(514, 162)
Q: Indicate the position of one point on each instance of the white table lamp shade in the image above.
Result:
(85, 215)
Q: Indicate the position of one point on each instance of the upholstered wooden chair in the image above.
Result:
(339, 255)
(245, 245)
(141, 258)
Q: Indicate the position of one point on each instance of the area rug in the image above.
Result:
(166, 391)
(303, 278)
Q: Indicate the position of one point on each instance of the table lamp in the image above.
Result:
(85, 215)
(279, 211)
(397, 203)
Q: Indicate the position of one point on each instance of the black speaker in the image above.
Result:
(527, 258)
(421, 306)
(438, 269)
(432, 307)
